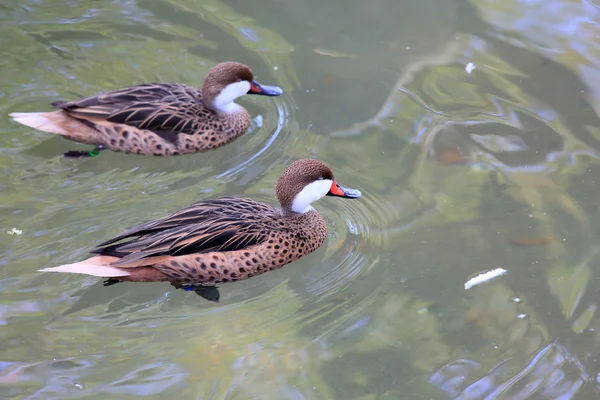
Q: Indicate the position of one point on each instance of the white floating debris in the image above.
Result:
(333, 53)
(481, 278)
(522, 316)
(497, 143)
(14, 231)
(470, 67)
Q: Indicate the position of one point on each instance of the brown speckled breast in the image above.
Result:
(217, 132)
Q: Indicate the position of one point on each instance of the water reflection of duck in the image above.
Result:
(221, 240)
(160, 119)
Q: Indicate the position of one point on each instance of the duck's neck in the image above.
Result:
(288, 212)
(224, 104)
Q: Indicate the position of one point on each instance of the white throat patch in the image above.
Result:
(311, 192)
(224, 101)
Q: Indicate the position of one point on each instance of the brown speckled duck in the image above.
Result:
(221, 240)
(160, 119)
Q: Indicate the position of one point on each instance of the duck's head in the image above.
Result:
(306, 181)
(227, 81)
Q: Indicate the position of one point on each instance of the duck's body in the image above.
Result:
(213, 242)
(159, 119)
(222, 240)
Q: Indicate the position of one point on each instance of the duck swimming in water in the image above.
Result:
(222, 240)
(161, 119)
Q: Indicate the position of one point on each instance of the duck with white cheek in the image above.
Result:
(161, 119)
(222, 240)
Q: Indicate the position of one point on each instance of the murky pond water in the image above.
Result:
(471, 127)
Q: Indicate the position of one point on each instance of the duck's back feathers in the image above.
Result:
(222, 225)
(158, 107)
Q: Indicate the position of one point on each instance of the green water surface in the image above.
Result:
(464, 168)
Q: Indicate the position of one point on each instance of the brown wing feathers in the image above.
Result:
(203, 227)
(159, 107)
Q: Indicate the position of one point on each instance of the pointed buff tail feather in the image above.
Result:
(95, 266)
(44, 121)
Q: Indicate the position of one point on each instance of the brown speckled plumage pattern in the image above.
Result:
(227, 239)
(159, 119)
(216, 241)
